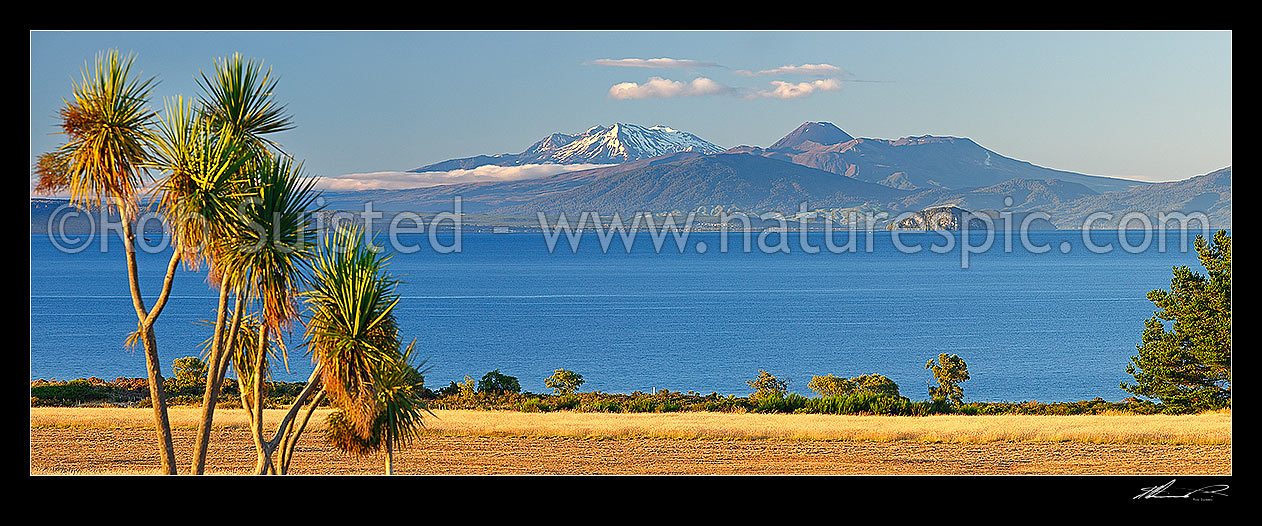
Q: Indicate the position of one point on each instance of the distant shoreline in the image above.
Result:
(127, 393)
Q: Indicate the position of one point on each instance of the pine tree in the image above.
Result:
(1189, 368)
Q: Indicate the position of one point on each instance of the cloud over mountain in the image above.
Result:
(480, 174)
(791, 90)
(664, 88)
(661, 88)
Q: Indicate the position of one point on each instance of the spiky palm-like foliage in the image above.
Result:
(351, 331)
(226, 140)
(400, 415)
(272, 240)
(399, 384)
(54, 173)
(238, 99)
(242, 353)
(204, 182)
(198, 196)
(263, 258)
(103, 163)
(107, 129)
(340, 433)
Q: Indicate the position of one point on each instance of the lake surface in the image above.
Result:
(1054, 326)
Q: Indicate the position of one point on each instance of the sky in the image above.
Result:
(1144, 105)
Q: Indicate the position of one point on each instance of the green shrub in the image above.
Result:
(831, 385)
(640, 405)
(862, 402)
(567, 402)
(184, 399)
(533, 405)
(872, 399)
(875, 383)
(601, 406)
(452, 389)
(190, 373)
(778, 403)
(467, 388)
(73, 391)
(667, 406)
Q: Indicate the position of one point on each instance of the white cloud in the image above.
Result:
(815, 70)
(661, 88)
(652, 63)
(790, 90)
(481, 174)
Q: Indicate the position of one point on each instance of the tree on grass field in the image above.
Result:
(269, 254)
(1188, 368)
(197, 198)
(875, 383)
(564, 381)
(950, 371)
(353, 337)
(236, 203)
(767, 385)
(105, 163)
(399, 394)
(210, 149)
(497, 382)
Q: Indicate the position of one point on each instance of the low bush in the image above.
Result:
(134, 392)
(780, 403)
(533, 405)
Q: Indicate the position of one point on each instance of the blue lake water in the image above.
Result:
(1054, 326)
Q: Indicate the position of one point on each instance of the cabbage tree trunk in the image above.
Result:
(257, 420)
(389, 451)
(267, 448)
(214, 380)
(295, 432)
(145, 320)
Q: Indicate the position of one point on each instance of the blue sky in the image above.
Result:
(1146, 105)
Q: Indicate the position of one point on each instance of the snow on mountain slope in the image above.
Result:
(614, 144)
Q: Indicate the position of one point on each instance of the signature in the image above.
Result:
(1204, 493)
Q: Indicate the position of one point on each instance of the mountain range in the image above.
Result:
(914, 163)
(614, 144)
(661, 169)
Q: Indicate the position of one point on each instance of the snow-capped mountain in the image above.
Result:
(619, 143)
(661, 169)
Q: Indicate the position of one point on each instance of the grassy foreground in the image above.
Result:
(1205, 428)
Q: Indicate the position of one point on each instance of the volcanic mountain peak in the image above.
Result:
(822, 133)
(617, 143)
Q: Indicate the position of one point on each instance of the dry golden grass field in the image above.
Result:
(121, 441)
